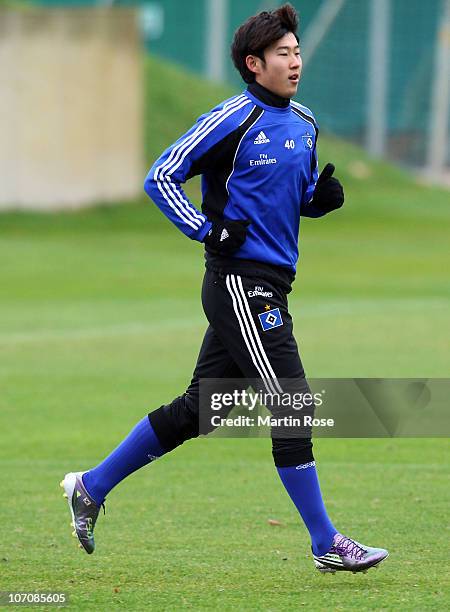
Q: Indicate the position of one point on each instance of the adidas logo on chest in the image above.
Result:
(261, 139)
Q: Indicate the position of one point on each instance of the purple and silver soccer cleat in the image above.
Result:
(83, 509)
(346, 555)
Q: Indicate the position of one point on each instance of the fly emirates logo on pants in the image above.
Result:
(263, 160)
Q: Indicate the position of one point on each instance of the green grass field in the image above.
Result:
(101, 322)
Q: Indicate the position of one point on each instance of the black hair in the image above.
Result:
(258, 33)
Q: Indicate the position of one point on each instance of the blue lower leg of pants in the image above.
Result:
(302, 484)
(139, 448)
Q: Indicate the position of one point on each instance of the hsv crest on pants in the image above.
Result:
(270, 319)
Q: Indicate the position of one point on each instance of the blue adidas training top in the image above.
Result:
(257, 162)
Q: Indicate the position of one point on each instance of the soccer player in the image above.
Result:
(257, 156)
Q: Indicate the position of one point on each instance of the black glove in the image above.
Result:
(226, 236)
(328, 194)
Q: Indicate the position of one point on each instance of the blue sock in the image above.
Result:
(139, 448)
(302, 484)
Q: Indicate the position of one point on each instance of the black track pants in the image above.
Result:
(250, 336)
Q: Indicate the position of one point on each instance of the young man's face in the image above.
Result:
(280, 73)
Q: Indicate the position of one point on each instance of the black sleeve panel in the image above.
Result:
(216, 166)
(316, 130)
(314, 152)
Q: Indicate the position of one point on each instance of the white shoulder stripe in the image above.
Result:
(304, 109)
(176, 151)
(202, 134)
(305, 118)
